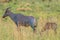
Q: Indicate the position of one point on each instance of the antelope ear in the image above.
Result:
(8, 8)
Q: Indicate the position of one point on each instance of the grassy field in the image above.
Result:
(41, 10)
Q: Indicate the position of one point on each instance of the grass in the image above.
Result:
(41, 10)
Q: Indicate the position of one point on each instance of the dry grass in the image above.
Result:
(8, 31)
(24, 9)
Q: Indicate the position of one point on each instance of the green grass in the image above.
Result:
(40, 10)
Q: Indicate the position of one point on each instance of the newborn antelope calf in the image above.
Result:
(49, 25)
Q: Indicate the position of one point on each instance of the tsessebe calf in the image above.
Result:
(49, 25)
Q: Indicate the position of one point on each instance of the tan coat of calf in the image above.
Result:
(49, 25)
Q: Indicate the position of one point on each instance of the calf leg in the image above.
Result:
(55, 30)
(54, 27)
(42, 30)
(46, 28)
